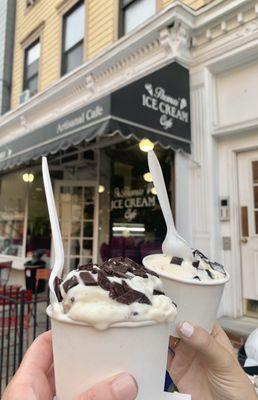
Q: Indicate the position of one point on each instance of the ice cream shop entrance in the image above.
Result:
(133, 224)
(248, 201)
(77, 211)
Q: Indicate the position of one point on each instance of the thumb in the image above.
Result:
(200, 340)
(120, 387)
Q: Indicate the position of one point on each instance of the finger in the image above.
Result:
(221, 337)
(39, 355)
(21, 392)
(200, 340)
(170, 357)
(120, 387)
(51, 378)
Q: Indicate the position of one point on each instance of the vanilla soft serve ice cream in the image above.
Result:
(118, 291)
(201, 269)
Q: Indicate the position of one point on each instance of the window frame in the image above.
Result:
(121, 19)
(25, 79)
(76, 45)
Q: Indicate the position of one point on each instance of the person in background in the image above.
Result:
(201, 364)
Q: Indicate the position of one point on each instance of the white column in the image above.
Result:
(183, 196)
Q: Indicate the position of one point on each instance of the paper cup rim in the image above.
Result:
(188, 281)
(128, 324)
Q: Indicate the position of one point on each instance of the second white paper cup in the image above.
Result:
(84, 356)
(197, 302)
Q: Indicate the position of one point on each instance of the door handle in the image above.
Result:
(244, 240)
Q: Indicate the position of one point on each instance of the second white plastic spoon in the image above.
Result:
(56, 234)
(174, 244)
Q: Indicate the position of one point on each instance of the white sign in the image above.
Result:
(85, 116)
(132, 199)
(169, 107)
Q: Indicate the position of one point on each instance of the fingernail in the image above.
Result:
(186, 329)
(124, 387)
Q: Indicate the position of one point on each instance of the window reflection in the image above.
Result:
(131, 221)
(12, 214)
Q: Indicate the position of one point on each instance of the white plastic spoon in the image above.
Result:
(56, 234)
(174, 244)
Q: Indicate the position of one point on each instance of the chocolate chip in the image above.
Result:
(144, 300)
(72, 299)
(88, 279)
(119, 267)
(217, 267)
(141, 273)
(214, 265)
(107, 268)
(174, 303)
(158, 292)
(200, 254)
(67, 285)
(196, 277)
(209, 273)
(103, 280)
(176, 260)
(95, 271)
(125, 286)
(132, 296)
(151, 272)
(196, 264)
(86, 267)
(116, 290)
(57, 283)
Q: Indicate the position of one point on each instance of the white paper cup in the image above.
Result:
(197, 302)
(84, 356)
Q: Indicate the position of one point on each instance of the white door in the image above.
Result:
(248, 196)
(77, 213)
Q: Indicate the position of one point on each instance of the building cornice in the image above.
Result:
(176, 33)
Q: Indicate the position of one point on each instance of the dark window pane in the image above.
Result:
(256, 221)
(88, 229)
(73, 38)
(256, 197)
(73, 58)
(88, 211)
(32, 85)
(255, 171)
(32, 69)
(88, 194)
(75, 247)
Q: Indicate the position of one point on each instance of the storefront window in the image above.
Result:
(13, 192)
(136, 226)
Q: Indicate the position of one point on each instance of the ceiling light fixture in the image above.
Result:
(146, 145)
(148, 177)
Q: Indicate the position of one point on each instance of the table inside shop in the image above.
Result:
(17, 275)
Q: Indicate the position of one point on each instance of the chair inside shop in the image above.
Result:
(42, 274)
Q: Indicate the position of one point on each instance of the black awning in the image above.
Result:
(156, 107)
